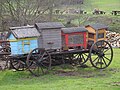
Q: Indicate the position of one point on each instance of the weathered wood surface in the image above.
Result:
(51, 39)
(4, 53)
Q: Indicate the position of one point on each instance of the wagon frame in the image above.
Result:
(42, 59)
(98, 57)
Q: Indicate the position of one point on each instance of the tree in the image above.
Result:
(23, 12)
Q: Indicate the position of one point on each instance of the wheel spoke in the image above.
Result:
(107, 58)
(41, 58)
(78, 56)
(97, 46)
(95, 59)
(83, 57)
(97, 62)
(106, 50)
(100, 47)
(42, 70)
(108, 54)
(104, 47)
(101, 63)
(104, 61)
(85, 54)
(40, 54)
(33, 57)
(15, 63)
(18, 66)
(43, 65)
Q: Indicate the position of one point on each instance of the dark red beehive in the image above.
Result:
(74, 37)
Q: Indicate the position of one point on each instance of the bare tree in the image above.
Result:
(22, 12)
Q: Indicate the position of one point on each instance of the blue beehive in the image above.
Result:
(23, 39)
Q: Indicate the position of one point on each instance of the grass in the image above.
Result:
(106, 5)
(77, 79)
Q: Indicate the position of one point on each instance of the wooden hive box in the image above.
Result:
(23, 39)
(96, 32)
(50, 35)
(74, 37)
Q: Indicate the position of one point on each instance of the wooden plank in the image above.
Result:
(4, 53)
(70, 52)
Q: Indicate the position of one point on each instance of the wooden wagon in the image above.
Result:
(39, 47)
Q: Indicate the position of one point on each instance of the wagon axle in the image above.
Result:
(101, 54)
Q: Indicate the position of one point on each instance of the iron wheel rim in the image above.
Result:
(101, 54)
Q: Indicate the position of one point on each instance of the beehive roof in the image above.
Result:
(98, 26)
(49, 25)
(24, 31)
(74, 29)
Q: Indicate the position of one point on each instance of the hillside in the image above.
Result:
(113, 22)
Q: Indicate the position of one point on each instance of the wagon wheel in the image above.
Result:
(16, 64)
(38, 61)
(101, 54)
(7, 49)
(82, 58)
(79, 58)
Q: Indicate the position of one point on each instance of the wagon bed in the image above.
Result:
(69, 52)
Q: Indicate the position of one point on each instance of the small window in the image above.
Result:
(91, 35)
(76, 39)
(100, 35)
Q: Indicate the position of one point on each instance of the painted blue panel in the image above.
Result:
(26, 46)
(23, 46)
(33, 44)
(20, 51)
(11, 37)
(14, 49)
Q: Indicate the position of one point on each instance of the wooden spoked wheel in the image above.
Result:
(16, 64)
(101, 54)
(79, 58)
(38, 61)
(83, 58)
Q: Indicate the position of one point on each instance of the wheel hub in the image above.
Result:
(101, 54)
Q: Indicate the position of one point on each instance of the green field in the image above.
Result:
(71, 79)
(106, 5)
